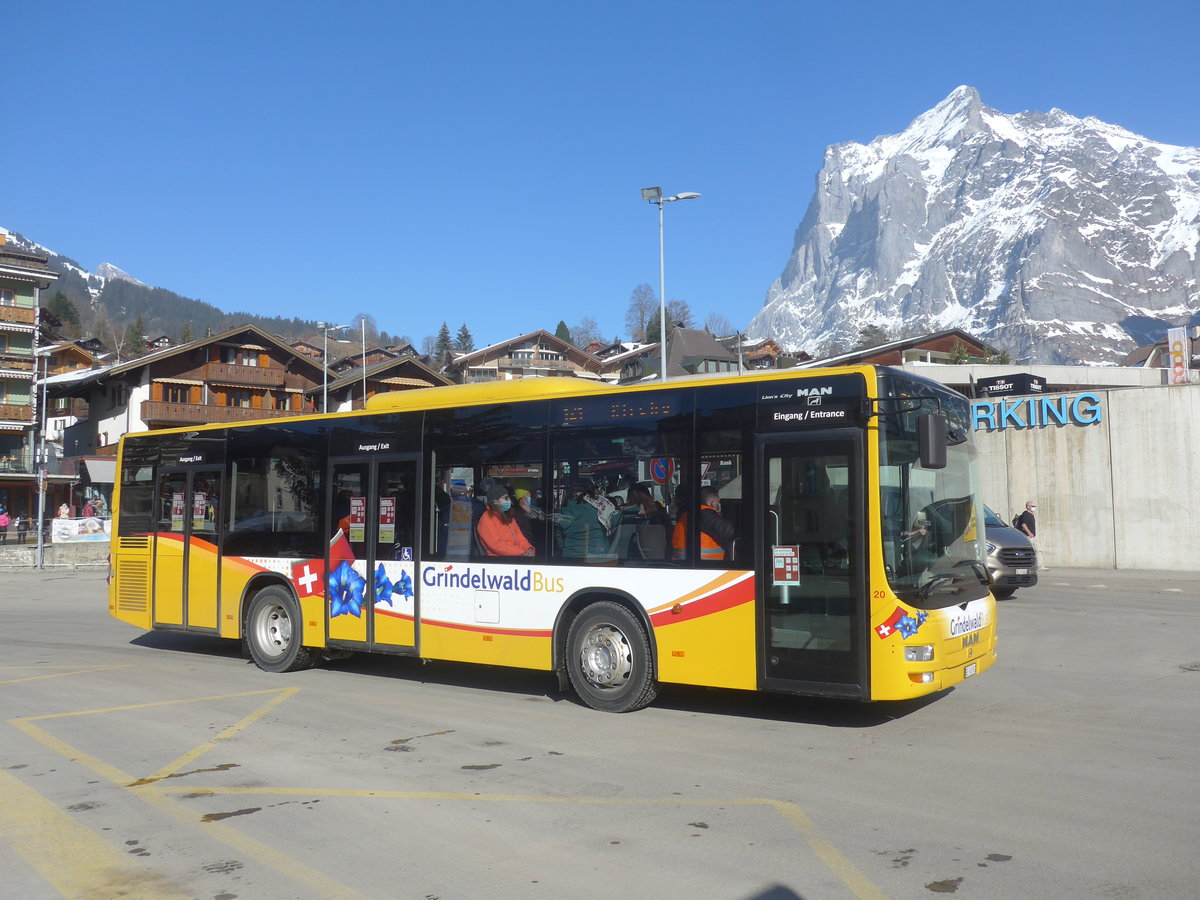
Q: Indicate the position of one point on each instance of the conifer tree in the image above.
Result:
(185, 333)
(61, 307)
(464, 342)
(562, 332)
(443, 347)
(134, 344)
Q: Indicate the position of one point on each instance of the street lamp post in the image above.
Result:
(42, 461)
(654, 195)
(363, 322)
(326, 328)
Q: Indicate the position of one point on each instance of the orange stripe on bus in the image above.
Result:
(729, 597)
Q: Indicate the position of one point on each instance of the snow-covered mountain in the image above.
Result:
(1056, 238)
(108, 271)
(95, 281)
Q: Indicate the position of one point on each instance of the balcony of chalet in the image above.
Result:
(18, 315)
(249, 376)
(164, 414)
(16, 412)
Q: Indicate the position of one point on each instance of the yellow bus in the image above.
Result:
(809, 532)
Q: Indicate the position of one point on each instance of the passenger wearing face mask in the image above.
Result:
(497, 530)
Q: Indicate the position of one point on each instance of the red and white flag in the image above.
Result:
(309, 578)
(886, 629)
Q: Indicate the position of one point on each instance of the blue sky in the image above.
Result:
(482, 162)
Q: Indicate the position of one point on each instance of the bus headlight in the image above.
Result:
(919, 653)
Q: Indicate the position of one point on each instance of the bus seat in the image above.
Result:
(652, 539)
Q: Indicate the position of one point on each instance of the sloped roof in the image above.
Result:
(408, 367)
(133, 365)
(543, 337)
(1156, 355)
(854, 356)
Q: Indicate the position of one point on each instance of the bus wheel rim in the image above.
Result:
(606, 657)
(274, 630)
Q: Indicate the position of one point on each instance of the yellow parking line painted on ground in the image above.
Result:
(849, 874)
(226, 734)
(824, 849)
(155, 792)
(314, 881)
(75, 670)
(109, 709)
(72, 858)
(43, 737)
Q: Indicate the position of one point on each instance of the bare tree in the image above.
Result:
(643, 303)
(585, 331)
(680, 314)
(372, 327)
(718, 325)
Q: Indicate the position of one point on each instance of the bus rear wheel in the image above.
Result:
(273, 629)
(608, 659)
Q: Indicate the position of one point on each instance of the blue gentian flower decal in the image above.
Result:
(907, 626)
(345, 591)
(404, 586)
(383, 586)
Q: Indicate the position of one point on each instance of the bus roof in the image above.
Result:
(517, 390)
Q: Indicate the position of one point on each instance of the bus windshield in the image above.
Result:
(932, 543)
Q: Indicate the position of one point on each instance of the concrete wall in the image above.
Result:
(90, 553)
(1121, 493)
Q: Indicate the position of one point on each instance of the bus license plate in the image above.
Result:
(969, 670)
(1022, 571)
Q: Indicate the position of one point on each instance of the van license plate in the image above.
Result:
(969, 670)
(1022, 571)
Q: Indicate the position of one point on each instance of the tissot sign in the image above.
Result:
(1036, 412)
(1007, 385)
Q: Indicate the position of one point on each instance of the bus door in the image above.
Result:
(186, 566)
(812, 567)
(372, 556)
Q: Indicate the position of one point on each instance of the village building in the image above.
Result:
(237, 376)
(533, 355)
(403, 373)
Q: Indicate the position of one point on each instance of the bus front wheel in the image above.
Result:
(608, 659)
(273, 632)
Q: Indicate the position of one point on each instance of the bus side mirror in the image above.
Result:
(931, 440)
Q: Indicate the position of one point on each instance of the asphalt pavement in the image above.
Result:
(166, 765)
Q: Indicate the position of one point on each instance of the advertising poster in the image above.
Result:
(387, 520)
(358, 519)
(199, 510)
(177, 512)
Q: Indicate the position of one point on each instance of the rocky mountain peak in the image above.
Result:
(1057, 238)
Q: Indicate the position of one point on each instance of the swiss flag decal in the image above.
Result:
(309, 578)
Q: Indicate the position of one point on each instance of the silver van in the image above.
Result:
(1011, 559)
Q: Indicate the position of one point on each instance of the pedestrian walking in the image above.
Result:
(1026, 523)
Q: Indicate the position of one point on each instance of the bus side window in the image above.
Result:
(274, 505)
(461, 478)
(615, 508)
(725, 423)
(137, 497)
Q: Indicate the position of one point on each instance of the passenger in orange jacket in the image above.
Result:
(497, 529)
(716, 532)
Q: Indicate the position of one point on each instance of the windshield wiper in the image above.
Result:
(925, 590)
